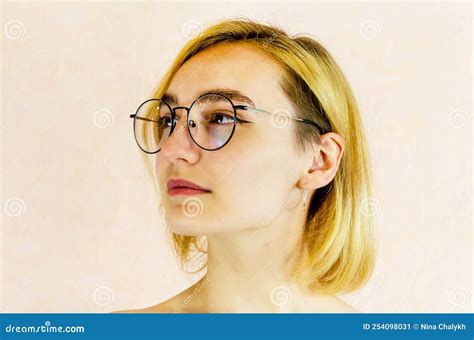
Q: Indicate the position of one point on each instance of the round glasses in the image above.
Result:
(210, 120)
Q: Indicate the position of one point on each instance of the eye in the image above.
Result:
(221, 118)
(164, 122)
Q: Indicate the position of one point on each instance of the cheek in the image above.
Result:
(159, 167)
(255, 180)
(162, 170)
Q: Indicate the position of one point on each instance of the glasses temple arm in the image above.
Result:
(307, 121)
(141, 118)
(316, 125)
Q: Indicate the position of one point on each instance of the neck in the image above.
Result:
(250, 270)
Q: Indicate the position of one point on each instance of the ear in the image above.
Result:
(323, 162)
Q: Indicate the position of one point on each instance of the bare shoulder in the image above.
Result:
(329, 304)
(180, 303)
(159, 308)
(167, 306)
(344, 307)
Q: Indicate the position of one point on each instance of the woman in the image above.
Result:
(261, 163)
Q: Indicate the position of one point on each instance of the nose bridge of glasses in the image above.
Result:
(176, 126)
(192, 122)
(186, 109)
(176, 117)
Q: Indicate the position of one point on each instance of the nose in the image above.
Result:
(180, 146)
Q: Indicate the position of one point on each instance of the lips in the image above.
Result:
(183, 186)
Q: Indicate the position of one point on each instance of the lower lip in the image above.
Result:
(186, 191)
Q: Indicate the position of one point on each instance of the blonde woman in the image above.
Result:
(261, 163)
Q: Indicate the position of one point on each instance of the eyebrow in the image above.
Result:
(232, 94)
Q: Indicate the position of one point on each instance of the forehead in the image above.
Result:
(235, 66)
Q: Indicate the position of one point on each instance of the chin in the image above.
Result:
(185, 230)
(188, 218)
(184, 225)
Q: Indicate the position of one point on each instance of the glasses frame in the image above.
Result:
(188, 109)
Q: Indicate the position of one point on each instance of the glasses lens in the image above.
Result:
(211, 121)
(152, 125)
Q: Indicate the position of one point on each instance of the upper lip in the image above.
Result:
(182, 183)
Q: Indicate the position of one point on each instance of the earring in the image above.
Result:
(304, 198)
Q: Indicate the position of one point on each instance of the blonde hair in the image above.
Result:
(339, 244)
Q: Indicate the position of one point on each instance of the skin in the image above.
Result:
(254, 215)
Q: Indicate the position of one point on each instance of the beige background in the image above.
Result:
(80, 229)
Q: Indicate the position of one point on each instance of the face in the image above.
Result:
(249, 180)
